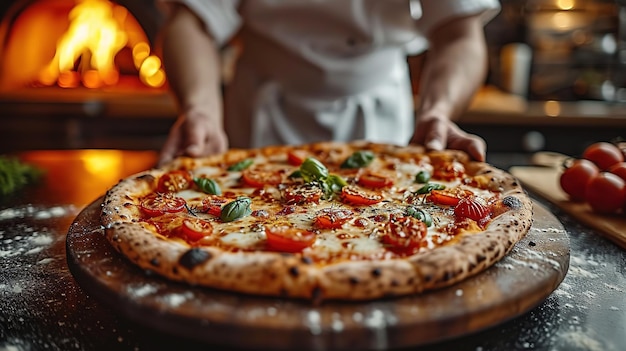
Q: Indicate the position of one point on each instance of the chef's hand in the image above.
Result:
(437, 133)
(194, 134)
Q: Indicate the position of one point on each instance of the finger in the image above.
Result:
(477, 149)
(170, 147)
(194, 139)
(474, 145)
(218, 143)
(436, 137)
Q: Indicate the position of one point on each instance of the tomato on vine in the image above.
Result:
(606, 193)
(603, 154)
(619, 169)
(575, 177)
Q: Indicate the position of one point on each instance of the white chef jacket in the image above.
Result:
(321, 70)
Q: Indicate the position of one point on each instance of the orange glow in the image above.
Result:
(79, 177)
(68, 79)
(97, 32)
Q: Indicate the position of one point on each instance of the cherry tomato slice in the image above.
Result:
(174, 181)
(194, 229)
(375, 180)
(259, 178)
(295, 157)
(447, 197)
(472, 207)
(302, 193)
(357, 196)
(284, 238)
(574, 179)
(157, 204)
(332, 218)
(404, 233)
(212, 204)
(603, 154)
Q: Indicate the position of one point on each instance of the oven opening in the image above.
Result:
(82, 44)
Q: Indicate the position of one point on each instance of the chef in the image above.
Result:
(322, 70)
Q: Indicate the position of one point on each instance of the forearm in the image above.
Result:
(454, 69)
(192, 64)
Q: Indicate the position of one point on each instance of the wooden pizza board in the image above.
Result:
(522, 280)
(544, 181)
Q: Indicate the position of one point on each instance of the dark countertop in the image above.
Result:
(42, 307)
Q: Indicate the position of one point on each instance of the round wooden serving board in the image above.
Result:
(521, 281)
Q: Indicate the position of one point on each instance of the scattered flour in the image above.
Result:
(31, 211)
(576, 339)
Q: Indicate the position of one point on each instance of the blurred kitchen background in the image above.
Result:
(557, 76)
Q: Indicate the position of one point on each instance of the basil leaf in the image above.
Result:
(296, 174)
(313, 170)
(422, 177)
(419, 214)
(336, 182)
(331, 185)
(430, 187)
(14, 175)
(358, 159)
(208, 186)
(236, 209)
(241, 165)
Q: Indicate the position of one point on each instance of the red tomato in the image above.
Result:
(448, 197)
(603, 154)
(295, 157)
(174, 181)
(472, 207)
(358, 196)
(375, 180)
(404, 233)
(194, 229)
(619, 169)
(606, 192)
(284, 238)
(212, 204)
(332, 217)
(300, 194)
(574, 179)
(159, 203)
(259, 178)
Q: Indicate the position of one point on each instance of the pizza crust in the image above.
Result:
(293, 275)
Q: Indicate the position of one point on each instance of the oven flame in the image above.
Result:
(85, 53)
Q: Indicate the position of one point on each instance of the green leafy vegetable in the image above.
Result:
(419, 214)
(241, 165)
(422, 177)
(236, 209)
(314, 172)
(358, 159)
(208, 186)
(430, 187)
(15, 174)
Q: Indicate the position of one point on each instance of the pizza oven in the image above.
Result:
(81, 73)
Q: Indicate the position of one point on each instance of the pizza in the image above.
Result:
(327, 220)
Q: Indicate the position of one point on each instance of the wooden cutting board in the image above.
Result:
(520, 281)
(544, 181)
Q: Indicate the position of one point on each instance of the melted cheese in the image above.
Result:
(350, 241)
